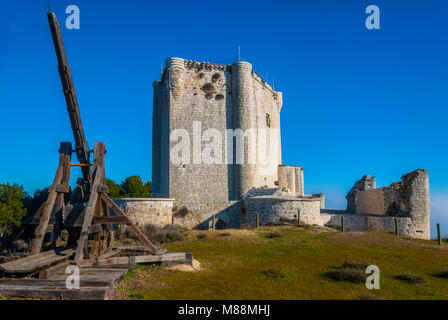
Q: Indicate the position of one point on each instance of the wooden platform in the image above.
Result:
(95, 284)
(36, 262)
(98, 278)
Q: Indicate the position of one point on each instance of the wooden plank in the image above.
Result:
(98, 161)
(35, 262)
(43, 224)
(112, 220)
(172, 257)
(62, 188)
(56, 269)
(109, 254)
(56, 289)
(117, 210)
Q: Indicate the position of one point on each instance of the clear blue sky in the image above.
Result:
(356, 101)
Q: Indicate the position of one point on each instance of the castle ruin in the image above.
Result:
(209, 122)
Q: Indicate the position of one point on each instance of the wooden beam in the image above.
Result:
(103, 189)
(112, 220)
(117, 210)
(43, 224)
(98, 170)
(63, 189)
(168, 258)
(95, 228)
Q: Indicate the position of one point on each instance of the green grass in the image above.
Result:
(251, 264)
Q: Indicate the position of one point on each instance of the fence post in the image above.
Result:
(214, 222)
(342, 223)
(298, 218)
(439, 234)
(396, 226)
(258, 220)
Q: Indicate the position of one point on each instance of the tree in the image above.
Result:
(114, 188)
(132, 187)
(33, 203)
(148, 189)
(11, 206)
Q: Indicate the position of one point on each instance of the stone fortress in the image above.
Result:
(206, 117)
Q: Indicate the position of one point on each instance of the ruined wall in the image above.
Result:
(407, 198)
(370, 202)
(275, 209)
(367, 182)
(193, 215)
(144, 211)
(291, 177)
(365, 222)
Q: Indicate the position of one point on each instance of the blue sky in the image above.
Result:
(356, 101)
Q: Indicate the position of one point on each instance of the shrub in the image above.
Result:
(347, 274)
(225, 234)
(201, 236)
(20, 246)
(275, 234)
(411, 279)
(166, 234)
(442, 273)
(272, 274)
(356, 265)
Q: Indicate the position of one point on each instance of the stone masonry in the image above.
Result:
(196, 175)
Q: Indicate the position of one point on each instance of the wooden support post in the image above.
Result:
(342, 223)
(98, 171)
(66, 147)
(258, 220)
(396, 226)
(439, 234)
(64, 156)
(213, 222)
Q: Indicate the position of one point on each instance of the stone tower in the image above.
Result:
(198, 105)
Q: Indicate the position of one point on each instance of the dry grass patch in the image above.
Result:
(237, 267)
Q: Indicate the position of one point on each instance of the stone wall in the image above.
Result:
(201, 96)
(291, 177)
(275, 209)
(195, 215)
(370, 201)
(407, 198)
(144, 211)
(366, 222)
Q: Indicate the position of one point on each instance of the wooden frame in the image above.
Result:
(97, 219)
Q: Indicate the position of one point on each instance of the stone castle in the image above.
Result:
(217, 153)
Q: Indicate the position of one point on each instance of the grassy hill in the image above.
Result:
(288, 262)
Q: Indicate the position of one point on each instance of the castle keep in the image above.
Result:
(214, 97)
(217, 152)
